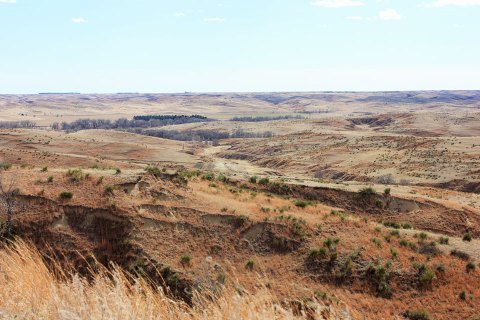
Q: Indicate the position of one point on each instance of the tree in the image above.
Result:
(8, 200)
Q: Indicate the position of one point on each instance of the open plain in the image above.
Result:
(341, 205)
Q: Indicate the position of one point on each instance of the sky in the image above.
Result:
(107, 46)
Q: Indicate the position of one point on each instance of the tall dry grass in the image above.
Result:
(29, 290)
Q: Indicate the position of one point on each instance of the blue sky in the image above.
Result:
(238, 45)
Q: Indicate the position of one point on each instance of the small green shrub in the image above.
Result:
(44, 169)
(66, 195)
(185, 260)
(5, 165)
(223, 178)
(302, 203)
(264, 181)
(221, 278)
(423, 236)
(443, 240)
(75, 175)
(394, 233)
(154, 171)
(463, 295)
(387, 191)
(50, 179)
(377, 242)
(208, 176)
(425, 276)
(380, 275)
(109, 190)
(253, 179)
(413, 246)
(470, 267)
(417, 315)
(249, 265)
(379, 204)
(467, 237)
(391, 224)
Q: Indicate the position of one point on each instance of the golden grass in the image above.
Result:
(29, 290)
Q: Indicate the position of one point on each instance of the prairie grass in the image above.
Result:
(31, 290)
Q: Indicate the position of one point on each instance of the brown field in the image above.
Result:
(186, 216)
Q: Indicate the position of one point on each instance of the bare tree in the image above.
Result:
(8, 201)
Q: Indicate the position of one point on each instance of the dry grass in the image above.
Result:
(29, 290)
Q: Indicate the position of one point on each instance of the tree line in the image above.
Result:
(136, 122)
(261, 119)
(199, 135)
(17, 124)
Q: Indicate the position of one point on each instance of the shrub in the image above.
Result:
(380, 276)
(387, 191)
(185, 260)
(417, 315)
(470, 267)
(413, 246)
(367, 192)
(460, 254)
(380, 204)
(302, 203)
(118, 171)
(44, 169)
(423, 236)
(443, 240)
(467, 237)
(331, 242)
(463, 295)
(318, 253)
(253, 179)
(208, 176)
(154, 171)
(264, 181)
(100, 180)
(391, 224)
(66, 195)
(50, 179)
(5, 165)
(425, 276)
(223, 178)
(377, 242)
(440, 268)
(221, 278)
(109, 190)
(407, 226)
(249, 265)
(75, 175)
